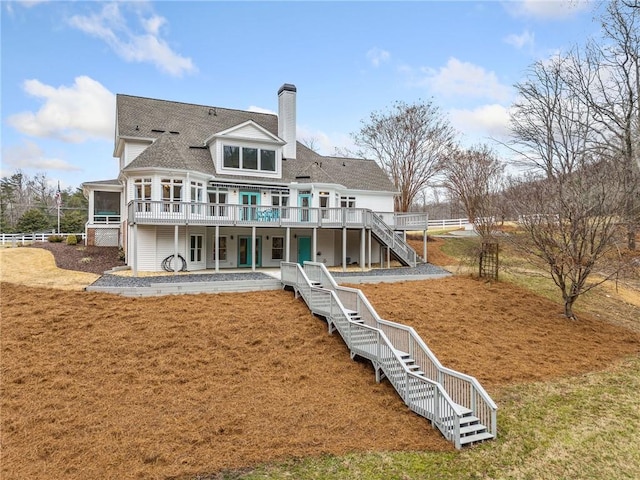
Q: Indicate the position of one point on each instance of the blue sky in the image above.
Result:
(63, 63)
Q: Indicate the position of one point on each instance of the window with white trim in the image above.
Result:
(280, 199)
(222, 251)
(142, 191)
(195, 248)
(218, 197)
(277, 248)
(171, 192)
(348, 202)
(197, 196)
(249, 158)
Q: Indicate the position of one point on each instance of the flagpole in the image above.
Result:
(58, 202)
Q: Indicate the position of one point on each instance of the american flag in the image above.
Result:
(58, 196)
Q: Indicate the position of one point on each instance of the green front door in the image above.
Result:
(245, 256)
(304, 249)
(249, 201)
(304, 202)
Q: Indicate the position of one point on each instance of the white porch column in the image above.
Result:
(287, 245)
(135, 249)
(363, 241)
(344, 249)
(253, 248)
(175, 249)
(424, 245)
(314, 245)
(217, 248)
(388, 257)
(369, 249)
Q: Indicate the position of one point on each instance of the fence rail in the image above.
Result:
(29, 238)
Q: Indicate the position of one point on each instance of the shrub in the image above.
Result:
(121, 255)
(55, 238)
(72, 240)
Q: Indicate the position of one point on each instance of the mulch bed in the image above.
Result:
(89, 259)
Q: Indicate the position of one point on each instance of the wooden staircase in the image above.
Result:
(455, 403)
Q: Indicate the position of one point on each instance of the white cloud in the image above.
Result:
(486, 121)
(459, 78)
(378, 56)
(546, 9)
(253, 108)
(525, 39)
(72, 114)
(146, 46)
(29, 155)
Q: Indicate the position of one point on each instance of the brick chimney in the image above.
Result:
(287, 119)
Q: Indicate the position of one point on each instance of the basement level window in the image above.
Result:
(157, 130)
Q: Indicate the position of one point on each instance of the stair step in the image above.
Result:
(469, 420)
(472, 429)
(480, 437)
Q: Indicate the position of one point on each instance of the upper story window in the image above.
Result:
(249, 158)
(348, 202)
(142, 191)
(171, 192)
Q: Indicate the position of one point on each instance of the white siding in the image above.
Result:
(250, 132)
(146, 248)
(132, 150)
(165, 244)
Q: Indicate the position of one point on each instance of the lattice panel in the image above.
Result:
(107, 237)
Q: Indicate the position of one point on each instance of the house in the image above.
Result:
(218, 188)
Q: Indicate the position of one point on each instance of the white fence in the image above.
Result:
(29, 238)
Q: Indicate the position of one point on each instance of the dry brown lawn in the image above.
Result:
(100, 386)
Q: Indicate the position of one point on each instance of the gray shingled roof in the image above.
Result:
(181, 128)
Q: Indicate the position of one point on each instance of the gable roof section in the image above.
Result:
(240, 132)
(148, 118)
(181, 129)
(169, 151)
(353, 173)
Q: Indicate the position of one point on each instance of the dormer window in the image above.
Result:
(249, 158)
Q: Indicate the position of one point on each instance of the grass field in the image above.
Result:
(151, 388)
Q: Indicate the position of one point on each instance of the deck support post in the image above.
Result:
(424, 245)
(388, 257)
(135, 249)
(217, 248)
(369, 249)
(344, 249)
(288, 245)
(253, 248)
(175, 249)
(314, 248)
(363, 241)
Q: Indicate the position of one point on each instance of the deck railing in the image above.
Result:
(423, 395)
(464, 389)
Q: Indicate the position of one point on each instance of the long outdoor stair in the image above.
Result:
(455, 403)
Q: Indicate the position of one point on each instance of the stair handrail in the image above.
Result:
(474, 396)
(385, 233)
(294, 275)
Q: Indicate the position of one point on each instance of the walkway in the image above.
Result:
(244, 281)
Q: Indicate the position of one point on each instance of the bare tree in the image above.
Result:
(608, 78)
(311, 143)
(570, 226)
(550, 125)
(474, 178)
(410, 142)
